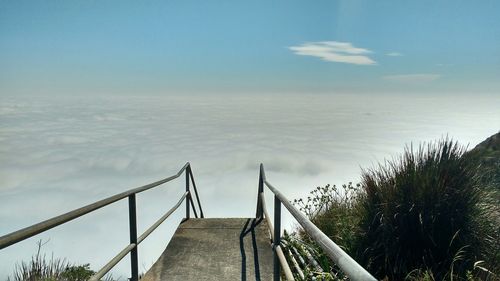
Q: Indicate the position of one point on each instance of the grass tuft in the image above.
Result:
(426, 215)
(424, 210)
(42, 268)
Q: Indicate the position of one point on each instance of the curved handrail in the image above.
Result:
(278, 248)
(30, 231)
(105, 269)
(275, 238)
(40, 227)
(347, 264)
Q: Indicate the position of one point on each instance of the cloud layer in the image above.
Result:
(333, 51)
(59, 154)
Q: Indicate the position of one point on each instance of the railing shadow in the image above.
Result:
(249, 227)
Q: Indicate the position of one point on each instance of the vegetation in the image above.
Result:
(307, 261)
(42, 268)
(424, 211)
(336, 210)
(427, 215)
(487, 155)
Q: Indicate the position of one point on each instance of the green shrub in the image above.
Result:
(77, 273)
(336, 211)
(424, 210)
(427, 215)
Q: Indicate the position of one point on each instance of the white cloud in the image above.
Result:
(413, 78)
(394, 54)
(334, 51)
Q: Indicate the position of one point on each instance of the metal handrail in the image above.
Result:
(25, 233)
(347, 264)
(279, 257)
(105, 269)
(279, 250)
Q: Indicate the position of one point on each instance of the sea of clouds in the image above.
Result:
(59, 153)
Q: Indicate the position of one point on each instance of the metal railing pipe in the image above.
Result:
(134, 261)
(35, 229)
(347, 264)
(40, 227)
(189, 195)
(262, 213)
(279, 250)
(286, 269)
(277, 237)
(192, 205)
(131, 246)
(111, 263)
(196, 192)
(266, 216)
(296, 264)
(262, 177)
(159, 221)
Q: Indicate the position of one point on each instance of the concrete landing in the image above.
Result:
(216, 249)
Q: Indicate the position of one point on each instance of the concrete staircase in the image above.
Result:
(216, 249)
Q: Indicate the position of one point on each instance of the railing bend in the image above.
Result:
(347, 264)
(22, 234)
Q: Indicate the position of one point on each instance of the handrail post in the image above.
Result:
(277, 237)
(196, 192)
(134, 268)
(188, 169)
(259, 213)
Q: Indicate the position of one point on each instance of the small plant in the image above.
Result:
(41, 268)
(335, 210)
(77, 273)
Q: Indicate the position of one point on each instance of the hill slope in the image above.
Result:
(488, 153)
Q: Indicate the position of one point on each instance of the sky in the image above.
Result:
(165, 47)
(97, 97)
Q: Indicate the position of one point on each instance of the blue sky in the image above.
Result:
(165, 47)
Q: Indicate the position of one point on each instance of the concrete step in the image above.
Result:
(216, 249)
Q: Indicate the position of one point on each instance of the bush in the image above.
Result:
(426, 215)
(336, 211)
(41, 268)
(426, 211)
(77, 273)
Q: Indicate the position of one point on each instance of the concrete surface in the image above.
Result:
(216, 249)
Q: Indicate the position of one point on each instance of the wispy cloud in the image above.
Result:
(334, 51)
(443, 64)
(394, 54)
(413, 78)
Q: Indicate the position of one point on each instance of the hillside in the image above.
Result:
(488, 153)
